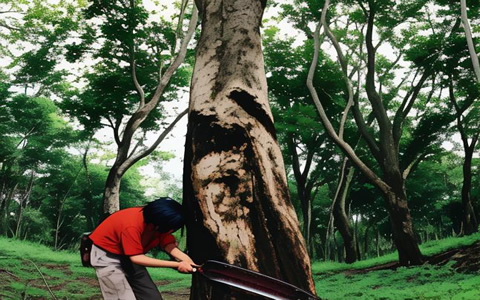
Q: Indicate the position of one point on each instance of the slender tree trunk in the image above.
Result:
(88, 195)
(23, 204)
(366, 242)
(342, 222)
(470, 224)
(469, 217)
(386, 151)
(235, 187)
(4, 209)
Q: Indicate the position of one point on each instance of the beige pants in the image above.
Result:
(113, 283)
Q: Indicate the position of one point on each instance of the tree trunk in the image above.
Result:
(88, 194)
(469, 218)
(366, 242)
(111, 194)
(235, 187)
(403, 235)
(342, 223)
(4, 210)
(23, 204)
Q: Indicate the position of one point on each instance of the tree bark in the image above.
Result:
(235, 187)
(401, 221)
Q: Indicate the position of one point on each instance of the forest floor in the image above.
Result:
(451, 271)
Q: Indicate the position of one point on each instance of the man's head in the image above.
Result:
(165, 213)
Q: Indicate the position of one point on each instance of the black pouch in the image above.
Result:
(85, 249)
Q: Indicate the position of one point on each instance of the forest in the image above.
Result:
(375, 107)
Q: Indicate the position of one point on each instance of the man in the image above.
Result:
(121, 241)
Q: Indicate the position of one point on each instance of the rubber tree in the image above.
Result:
(235, 187)
(385, 145)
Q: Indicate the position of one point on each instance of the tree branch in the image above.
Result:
(468, 35)
(328, 126)
(134, 158)
(344, 64)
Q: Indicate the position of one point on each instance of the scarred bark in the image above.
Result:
(235, 187)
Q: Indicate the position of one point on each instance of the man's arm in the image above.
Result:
(178, 254)
(143, 260)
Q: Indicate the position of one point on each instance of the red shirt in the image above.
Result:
(121, 233)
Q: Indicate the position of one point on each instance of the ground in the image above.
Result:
(29, 273)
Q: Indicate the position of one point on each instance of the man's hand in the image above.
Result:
(185, 267)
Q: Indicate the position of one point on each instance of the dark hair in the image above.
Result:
(165, 213)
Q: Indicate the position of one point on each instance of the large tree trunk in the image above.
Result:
(401, 221)
(235, 188)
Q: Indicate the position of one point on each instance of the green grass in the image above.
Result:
(423, 282)
(428, 249)
(66, 277)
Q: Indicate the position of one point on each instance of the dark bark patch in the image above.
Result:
(210, 137)
(232, 182)
(249, 104)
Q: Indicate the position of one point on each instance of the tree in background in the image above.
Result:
(396, 153)
(306, 148)
(235, 187)
(137, 60)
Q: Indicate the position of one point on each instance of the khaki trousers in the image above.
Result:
(120, 279)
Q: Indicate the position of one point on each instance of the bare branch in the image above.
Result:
(326, 122)
(134, 158)
(468, 34)
(344, 64)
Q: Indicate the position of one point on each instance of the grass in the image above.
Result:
(428, 249)
(63, 272)
(422, 282)
(19, 278)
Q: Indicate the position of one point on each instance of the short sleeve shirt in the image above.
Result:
(121, 233)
